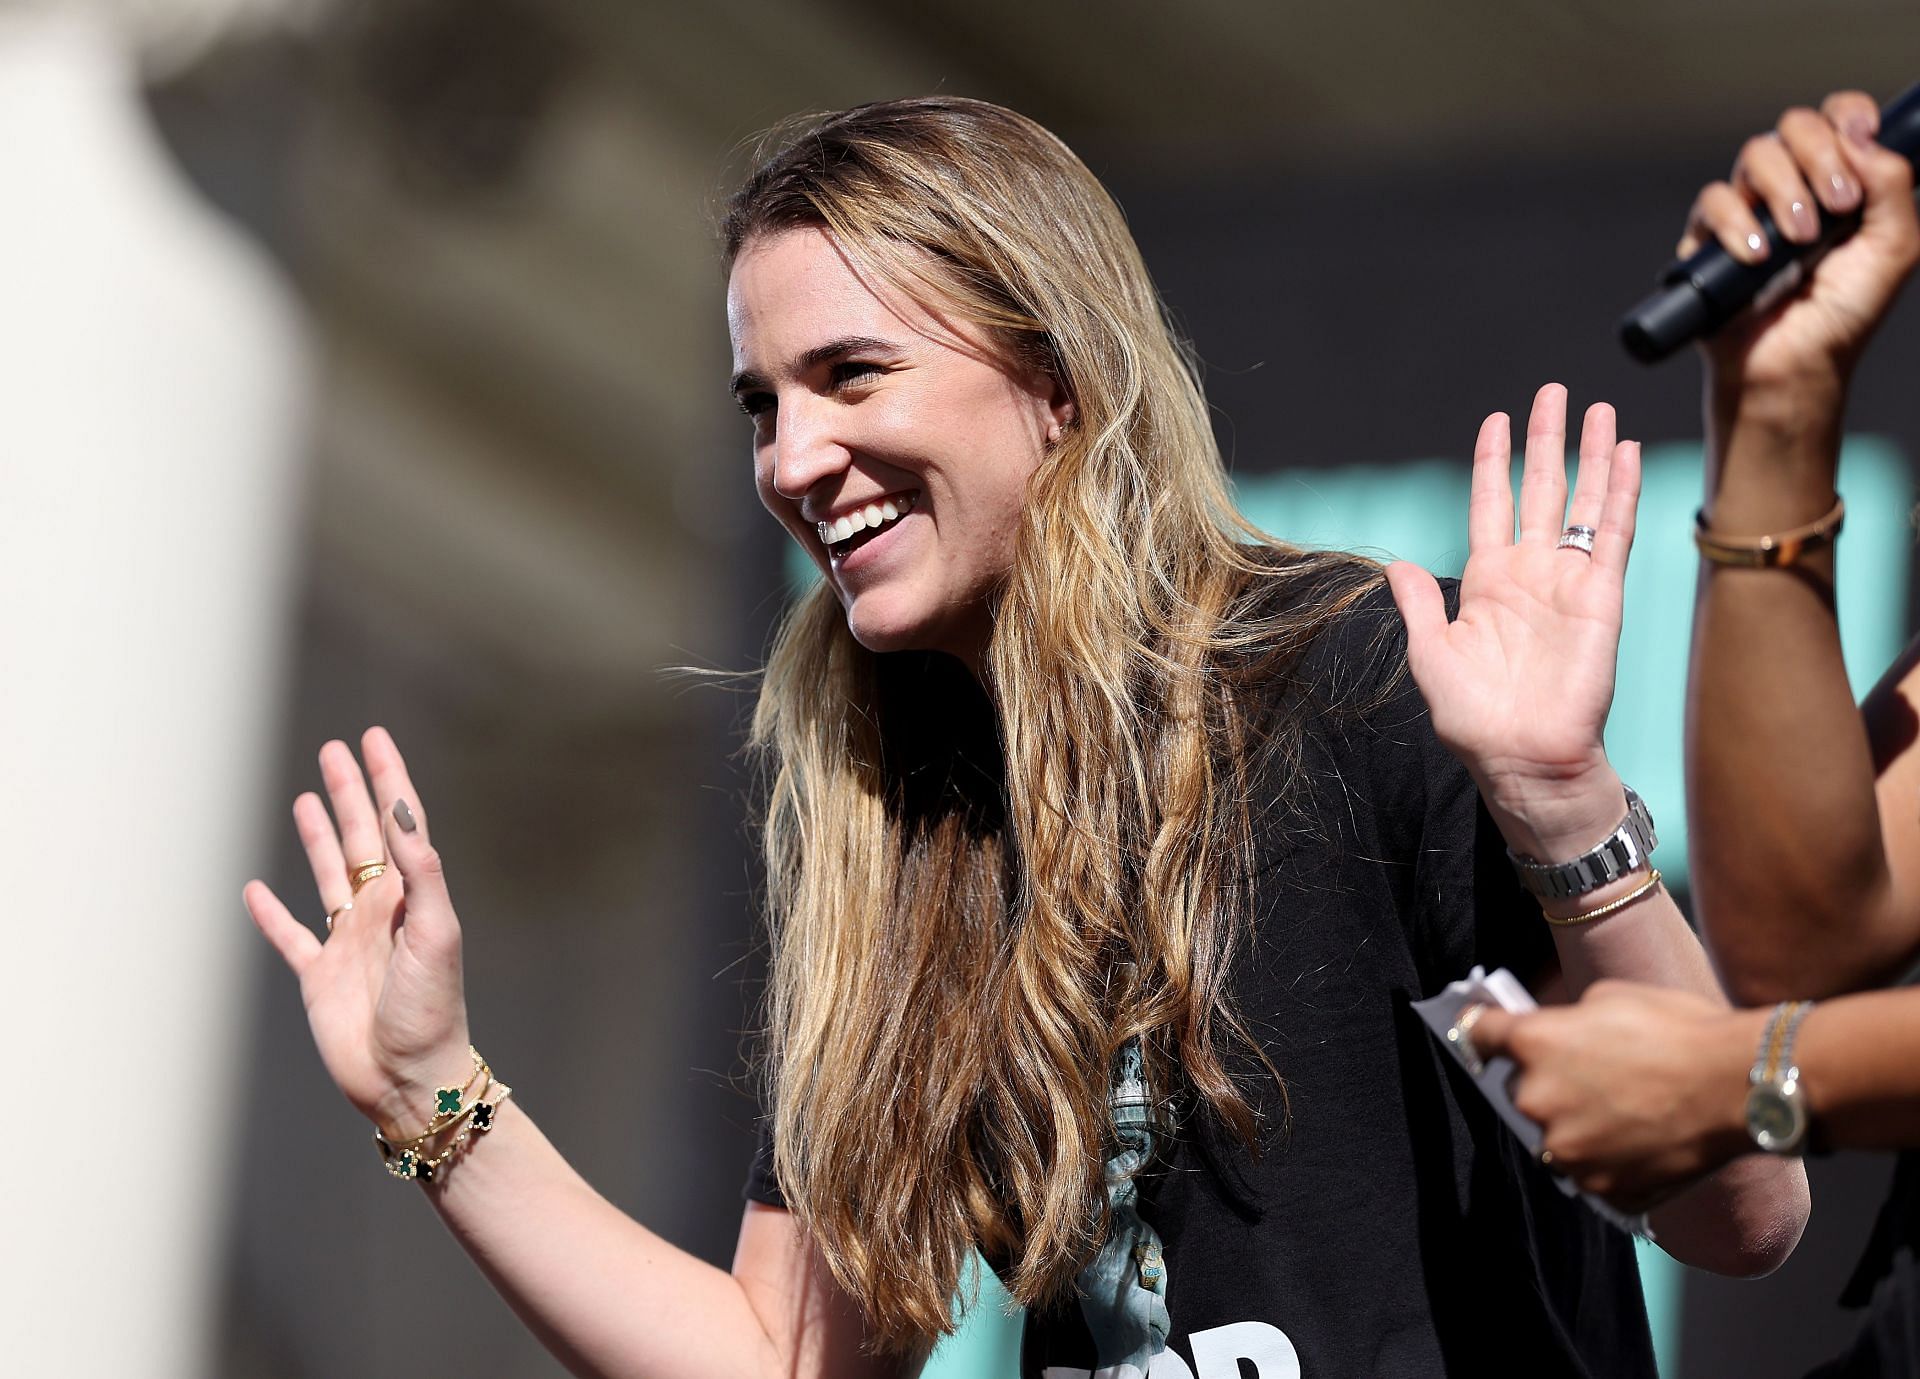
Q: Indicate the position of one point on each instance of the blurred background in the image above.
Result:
(367, 365)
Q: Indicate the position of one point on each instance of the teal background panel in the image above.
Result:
(986, 1343)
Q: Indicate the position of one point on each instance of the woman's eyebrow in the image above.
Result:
(812, 359)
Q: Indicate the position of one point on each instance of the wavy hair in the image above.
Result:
(977, 895)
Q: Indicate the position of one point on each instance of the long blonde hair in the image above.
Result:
(975, 901)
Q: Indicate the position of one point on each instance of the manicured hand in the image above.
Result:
(383, 990)
(1639, 1089)
(1822, 159)
(1520, 682)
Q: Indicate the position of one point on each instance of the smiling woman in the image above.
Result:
(865, 400)
(1107, 840)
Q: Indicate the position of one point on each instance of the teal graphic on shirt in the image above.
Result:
(1123, 1292)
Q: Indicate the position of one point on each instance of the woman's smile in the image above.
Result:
(858, 526)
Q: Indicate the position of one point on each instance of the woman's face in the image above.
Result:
(890, 440)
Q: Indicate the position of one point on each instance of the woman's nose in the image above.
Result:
(805, 448)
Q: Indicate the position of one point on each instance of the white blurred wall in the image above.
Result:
(152, 402)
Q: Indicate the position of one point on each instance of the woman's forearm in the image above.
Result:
(1788, 864)
(1746, 1217)
(607, 1296)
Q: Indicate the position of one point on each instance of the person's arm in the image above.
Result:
(1640, 1091)
(610, 1298)
(1804, 812)
(1518, 686)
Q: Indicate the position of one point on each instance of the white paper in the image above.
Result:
(1501, 988)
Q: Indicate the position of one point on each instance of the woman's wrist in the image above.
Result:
(1556, 816)
(1773, 460)
(1786, 398)
(1726, 1062)
(1778, 442)
(408, 1105)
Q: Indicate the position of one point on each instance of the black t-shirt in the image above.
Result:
(1886, 1283)
(1392, 1226)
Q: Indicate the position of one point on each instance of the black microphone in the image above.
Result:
(1700, 294)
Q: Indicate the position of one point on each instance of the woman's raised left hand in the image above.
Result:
(1519, 683)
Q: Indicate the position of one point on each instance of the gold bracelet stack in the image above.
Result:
(456, 1119)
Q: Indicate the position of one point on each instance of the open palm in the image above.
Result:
(1519, 683)
(383, 993)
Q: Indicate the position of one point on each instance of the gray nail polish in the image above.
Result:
(404, 816)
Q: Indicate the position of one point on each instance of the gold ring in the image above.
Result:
(366, 872)
(335, 913)
(1460, 1035)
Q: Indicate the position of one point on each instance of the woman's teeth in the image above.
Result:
(872, 516)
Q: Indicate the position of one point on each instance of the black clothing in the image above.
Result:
(1391, 1226)
(1887, 1284)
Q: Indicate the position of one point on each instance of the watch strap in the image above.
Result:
(1773, 1061)
(1775, 1083)
(1625, 850)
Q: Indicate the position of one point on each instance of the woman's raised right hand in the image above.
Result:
(383, 990)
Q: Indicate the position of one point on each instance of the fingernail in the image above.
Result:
(1860, 129)
(404, 816)
(1756, 246)
(1806, 225)
(1846, 192)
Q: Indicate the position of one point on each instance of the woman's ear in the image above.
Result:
(1063, 413)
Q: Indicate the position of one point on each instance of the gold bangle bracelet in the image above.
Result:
(1776, 549)
(1611, 907)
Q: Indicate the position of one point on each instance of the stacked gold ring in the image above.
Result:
(366, 872)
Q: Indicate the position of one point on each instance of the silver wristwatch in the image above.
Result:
(1626, 849)
(1776, 1112)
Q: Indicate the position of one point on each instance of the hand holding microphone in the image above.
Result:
(1828, 194)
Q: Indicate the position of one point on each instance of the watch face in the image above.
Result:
(1775, 1118)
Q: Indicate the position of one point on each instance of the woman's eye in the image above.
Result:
(851, 371)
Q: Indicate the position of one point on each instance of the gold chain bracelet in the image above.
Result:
(455, 1112)
(412, 1165)
(1611, 907)
(448, 1102)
